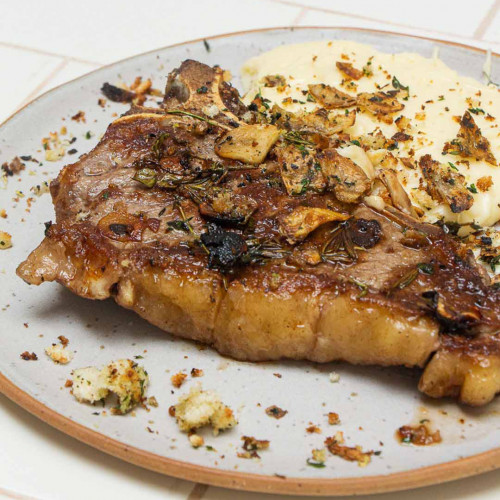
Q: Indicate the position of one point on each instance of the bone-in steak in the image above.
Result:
(254, 236)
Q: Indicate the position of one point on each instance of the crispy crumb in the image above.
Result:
(319, 455)
(251, 444)
(196, 440)
(68, 383)
(27, 356)
(59, 354)
(333, 418)
(79, 117)
(247, 454)
(352, 454)
(275, 412)
(313, 429)
(334, 377)
(178, 379)
(419, 435)
(122, 377)
(196, 372)
(151, 401)
(13, 167)
(5, 240)
(199, 408)
(40, 189)
(64, 341)
(101, 102)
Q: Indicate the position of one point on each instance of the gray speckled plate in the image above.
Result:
(372, 402)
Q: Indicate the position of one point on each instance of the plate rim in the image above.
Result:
(399, 481)
(416, 478)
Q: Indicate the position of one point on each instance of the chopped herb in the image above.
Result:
(179, 225)
(441, 98)
(88, 135)
(424, 420)
(210, 448)
(362, 286)
(202, 90)
(452, 165)
(476, 111)
(207, 45)
(310, 98)
(356, 142)
(494, 262)
(425, 267)
(305, 184)
(139, 357)
(404, 281)
(398, 85)
(156, 148)
(472, 188)
(318, 465)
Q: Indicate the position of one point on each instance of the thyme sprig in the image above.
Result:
(260, 251)
(186, 222)
(362, 286)
(339, 247)
(296, 138)
(406, 280)
(180, 112)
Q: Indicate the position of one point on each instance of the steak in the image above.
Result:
(251, 233)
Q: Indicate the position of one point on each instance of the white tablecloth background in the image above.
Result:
(44, 43)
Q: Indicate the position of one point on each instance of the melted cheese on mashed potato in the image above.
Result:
(437, 96)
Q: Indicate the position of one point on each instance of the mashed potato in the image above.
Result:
(438, 97)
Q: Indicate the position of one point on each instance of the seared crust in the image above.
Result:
(341, 294)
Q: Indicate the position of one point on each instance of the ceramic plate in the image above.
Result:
(372, 402)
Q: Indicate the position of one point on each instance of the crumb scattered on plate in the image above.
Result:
(59, 353)
(199, 408)
(178, 379)
(29, 356)
(124, 378)
(5, 240)
(275, 412)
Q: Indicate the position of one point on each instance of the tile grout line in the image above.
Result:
(44, 82)
(198, 492)
(373, 20)
(487, 20)
(48, 53)
(299, 16)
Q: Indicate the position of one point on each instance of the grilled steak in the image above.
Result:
(258, 237)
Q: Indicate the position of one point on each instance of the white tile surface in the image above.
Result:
(317, 18)
(40, 462)
(105, 31)
(447, 16)
(493, 31)
(22, 72)
(69, 71)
